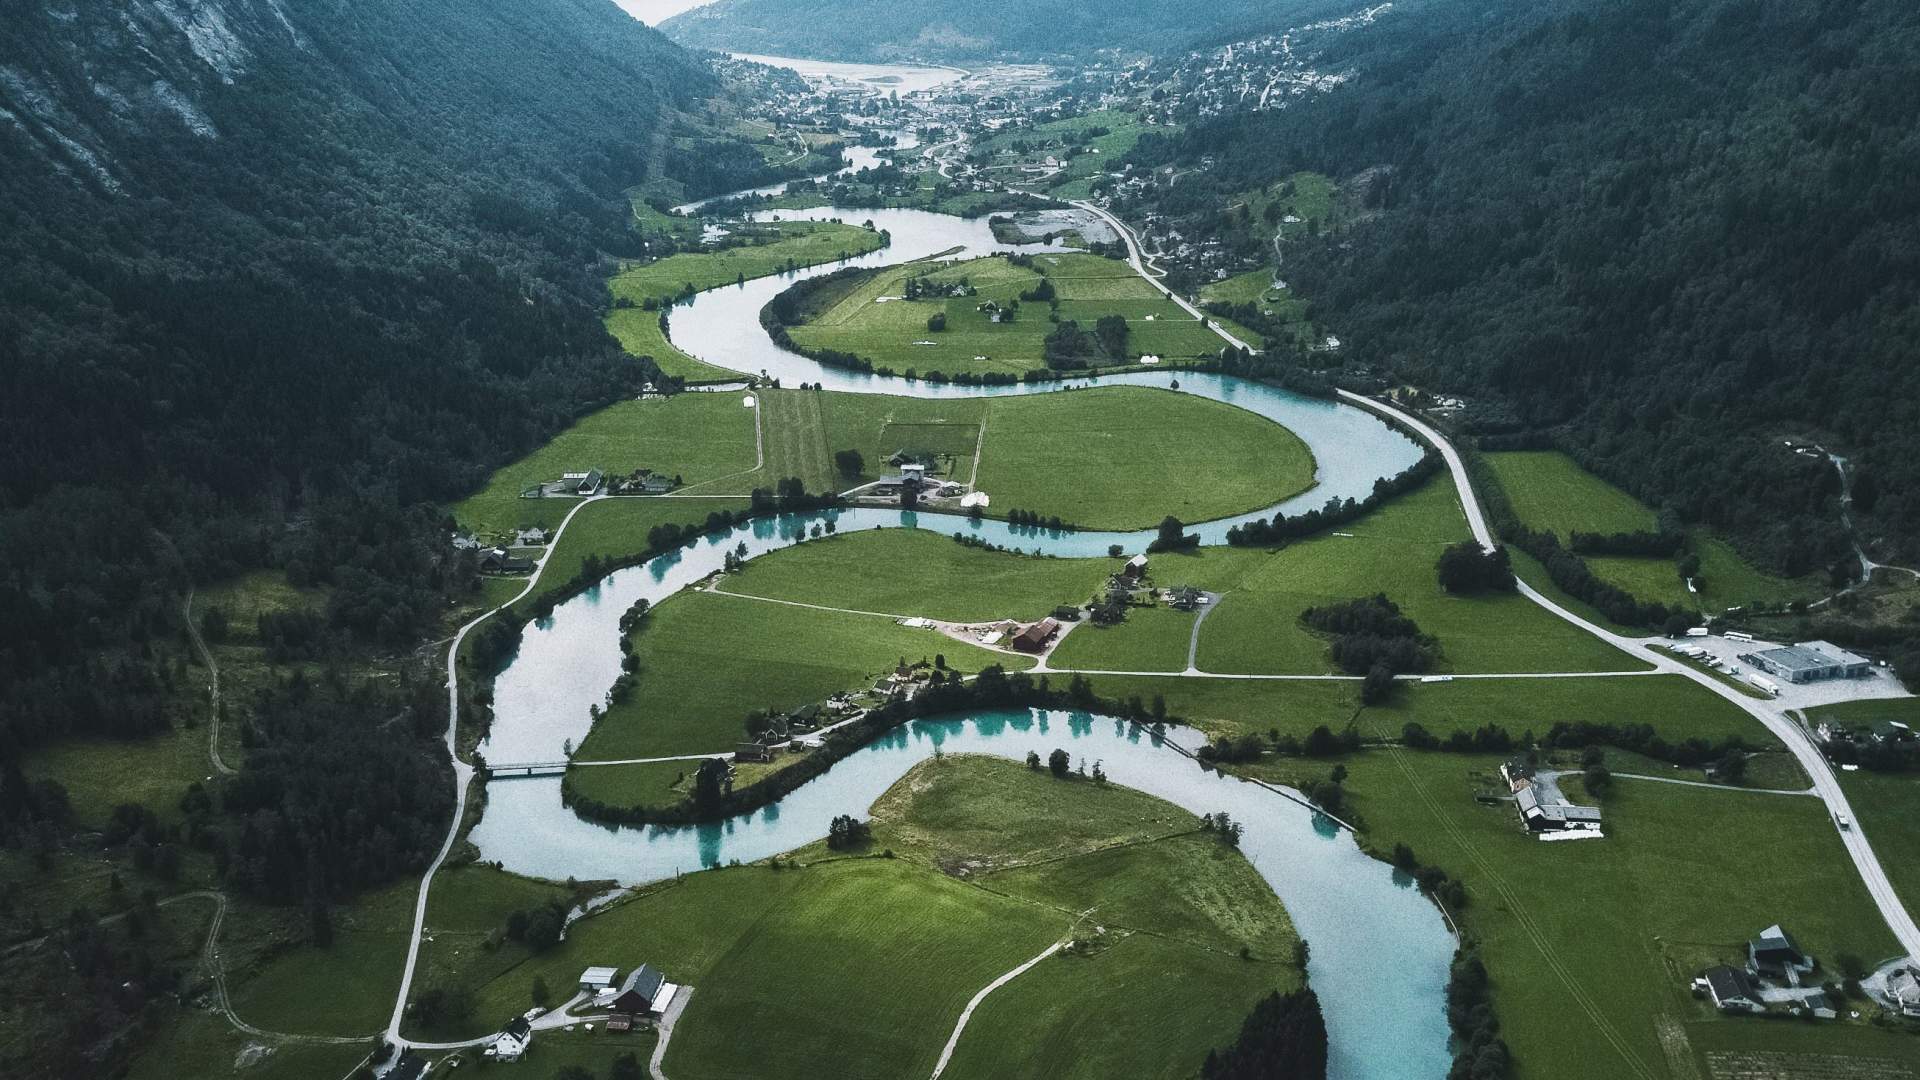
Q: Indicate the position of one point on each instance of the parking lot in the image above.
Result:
(1880, 684)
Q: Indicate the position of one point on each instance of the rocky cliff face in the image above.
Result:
(77, 79)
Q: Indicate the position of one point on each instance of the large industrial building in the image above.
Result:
(1811, 661)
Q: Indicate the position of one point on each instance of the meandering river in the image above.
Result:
(1380, 951)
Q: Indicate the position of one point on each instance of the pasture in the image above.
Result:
(1106, 457)
(924, 573)
(876, 322)
(897, 945)
(708, 659)
(697, 437)
(1550, 491)
(771, 247)
(1597, 988)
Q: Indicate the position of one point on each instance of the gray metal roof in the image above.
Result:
(1810, 656)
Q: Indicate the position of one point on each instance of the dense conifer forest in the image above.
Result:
(273, 279)
(1663, 234)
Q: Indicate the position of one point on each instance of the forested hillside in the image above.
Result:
(1665, 233)
(273, 278)
(960, 31)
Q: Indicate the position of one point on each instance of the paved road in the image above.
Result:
(462, 775)
(668, 1020)
(1193, 642)
(1783, 727)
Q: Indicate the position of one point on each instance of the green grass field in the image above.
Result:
(1676, 707)
(1134, 459)
(910, 572)
(1151, 639)
(873, 321)
(785, 245)
(897, 945)
(1393, 550)
(706, 660)
(368, 951)
(204, 1046)
(1548, 490)
(780, 246)
(1111, 457)
(616, 528)
(695, 436)
(100, 774)
(639, 333)
(1611, 931)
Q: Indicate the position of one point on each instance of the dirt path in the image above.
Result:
(213, 687)
(1716, 787)
(966, 1014)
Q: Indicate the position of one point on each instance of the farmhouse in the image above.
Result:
(595, 979)
(1812, 661)
(1775, 955)
(752, 751)
(643, 991)
(583, 483)
(1541, 816)
(1517, 772)
(1135, 569)
(1731, 990)
(497, 561)
(512, 1041)
(1034, 638)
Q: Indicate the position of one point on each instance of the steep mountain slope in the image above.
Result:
(257, 254)
(1665, 233)
(959, 31)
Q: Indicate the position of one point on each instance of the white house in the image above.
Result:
(512, 1042)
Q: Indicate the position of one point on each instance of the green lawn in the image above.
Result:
(909, 572)
(872, 320)
(783, 245)
(695, 436)
(1676, 707)
(1591, 944)
(653, 783)
(1887, 804)
(1151, 639)
(707, 660)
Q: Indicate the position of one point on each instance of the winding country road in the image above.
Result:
(462, 773)
(1790, 733)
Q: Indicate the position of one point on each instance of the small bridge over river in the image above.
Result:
(514, 770)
